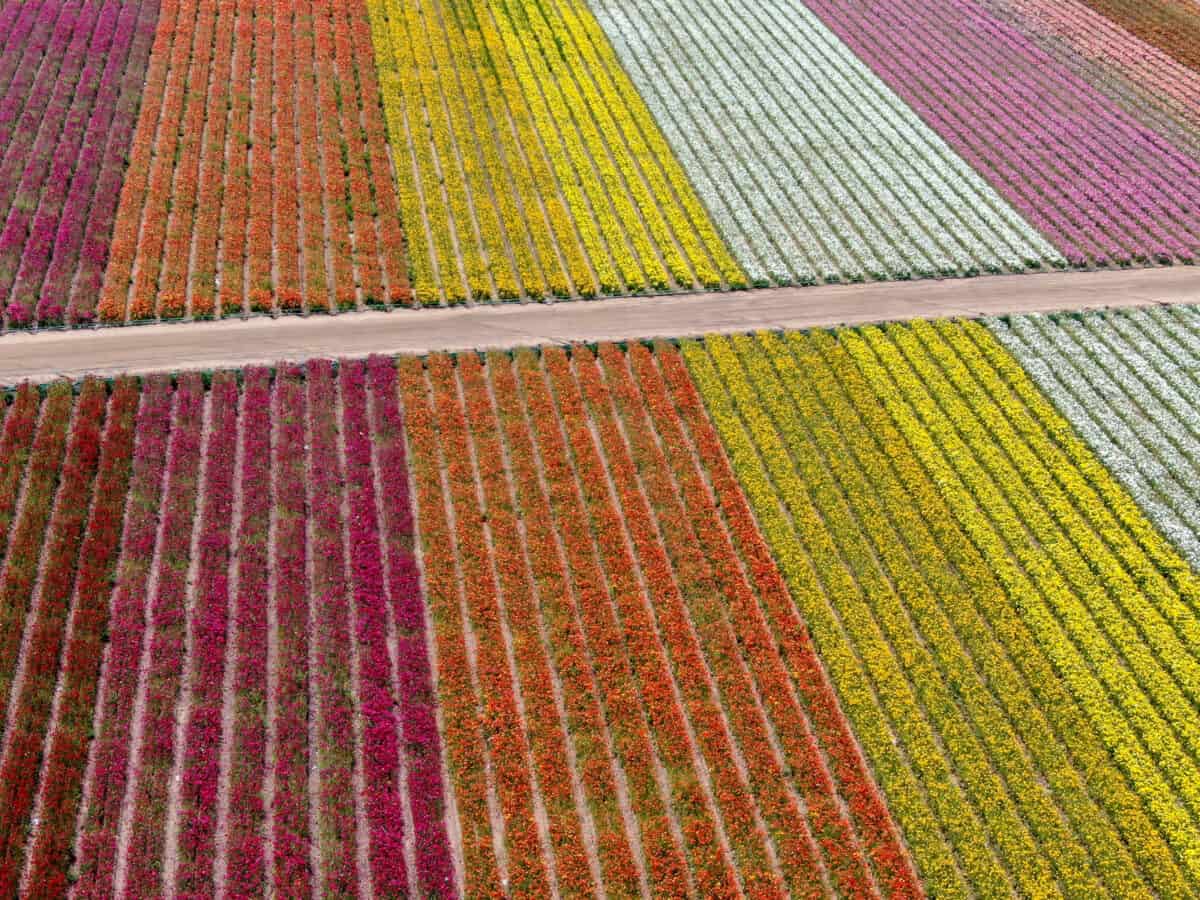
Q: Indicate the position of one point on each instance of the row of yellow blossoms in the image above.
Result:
(573, 193)
(1012, 640)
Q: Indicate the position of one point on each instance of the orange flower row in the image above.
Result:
(893, 866)
(566, 640)
(548, 741)
(503, 725)
(461, 720)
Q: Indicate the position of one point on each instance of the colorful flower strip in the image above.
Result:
(69, 154)
(893, 866)
(167, 619)
(286, 241)
(596, 90)
(19, 573)
(34, 683)
(579, 193)
(1147, 445)
(795, 214)
(336, 121)
(422, 744)
(212, 29)
(336, 729)
(737, 804)
(548, 739)
(354, 42)
(69, 729)
(932, 601)
(51, 28)
(1155, 684)
(1052, 613)
(1140, 218)
(289, 864)
(30, 145)
(712, 869)
(19, 23)
(274, 97)
(96, 848)
(575, 673)
(312, 216)
(505, 730)
(125, 244)
(235, 182)
(712, 650)
(1069, 756)
(462, 723)
(1149, 82)
(245, 868)
(932, 814)
(209, 628)
(20, 425)
(209, 150)
(172, 144)
(701, 245)
(1164, 621)
(843, 850)
(377, 692)
(617, 684)
(972, 544)
(1171, 27)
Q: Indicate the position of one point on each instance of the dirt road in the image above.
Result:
(212, 345)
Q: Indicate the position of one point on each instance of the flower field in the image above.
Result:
(214, 655)
(891, 611)
(198, 159)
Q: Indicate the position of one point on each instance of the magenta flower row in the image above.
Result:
(245, 869)
(417, 701)
(331, 631)
(381, 738)
(209, 629)
(97, 850)
(290, 837)
(71, 77)
(168, 622)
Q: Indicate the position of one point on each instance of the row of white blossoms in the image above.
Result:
(813, 169)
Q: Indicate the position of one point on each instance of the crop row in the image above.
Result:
(258, 178)
(1146, 80)
(70, 81)
(611, 640)
(175, 724)
(918, 467)
(527, 164)
(813, 167)
(1103, 187)
(1125, 383)
(1171, 25)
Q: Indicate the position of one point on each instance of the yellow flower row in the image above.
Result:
(1011, 638)
(971, 469)
(1080, 771)
(920, 789)
(907, 641)
(1154, 699)
(942, 609)
(527, 163)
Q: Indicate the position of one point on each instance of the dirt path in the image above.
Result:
(230, 343)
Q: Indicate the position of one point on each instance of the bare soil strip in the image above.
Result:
(262, 340)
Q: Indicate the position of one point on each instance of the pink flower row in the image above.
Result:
(66, 119)
(1100, 185)
(97, 845)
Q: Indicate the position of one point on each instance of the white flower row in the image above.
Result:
(1112, 416)
(810, 165)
